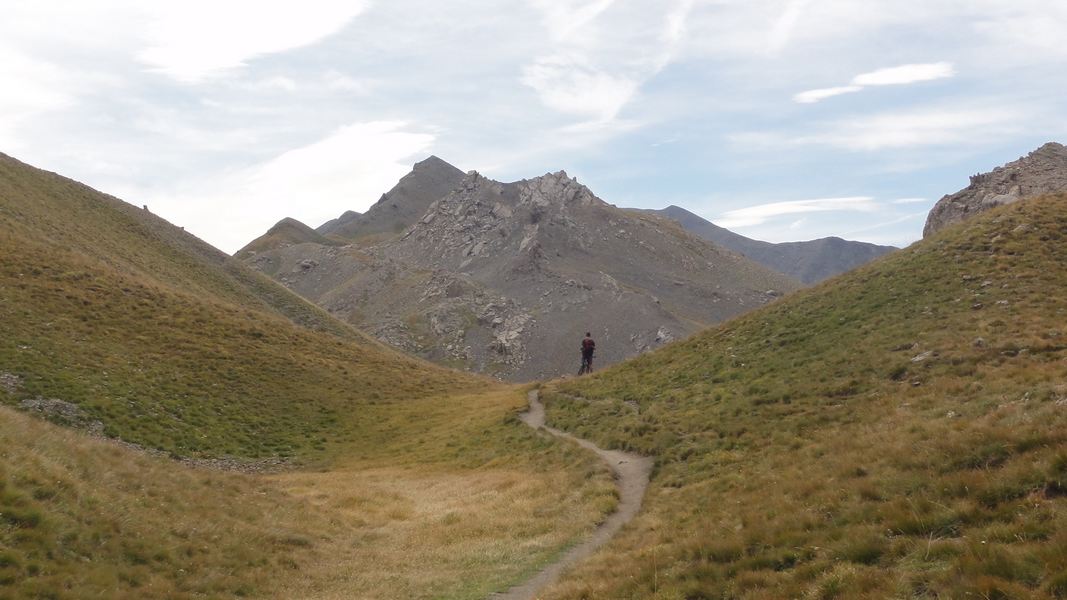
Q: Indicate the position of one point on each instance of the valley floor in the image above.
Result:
(413, 512)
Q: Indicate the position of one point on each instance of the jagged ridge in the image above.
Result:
(505, 277)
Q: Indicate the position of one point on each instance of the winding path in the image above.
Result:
(631, 475)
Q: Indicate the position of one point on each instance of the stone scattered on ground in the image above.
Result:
(9, 382)
(62, 412)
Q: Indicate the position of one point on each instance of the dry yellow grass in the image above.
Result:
(455, 503)
(428, 534)
(447, 508)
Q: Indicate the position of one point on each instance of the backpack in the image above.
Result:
(588, 345)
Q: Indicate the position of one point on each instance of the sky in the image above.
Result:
(779, 119)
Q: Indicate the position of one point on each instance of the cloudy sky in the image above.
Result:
(780, 119)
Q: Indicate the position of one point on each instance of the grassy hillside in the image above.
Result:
(63, 213)
(399, 474)
(900, 431)
(170, 344)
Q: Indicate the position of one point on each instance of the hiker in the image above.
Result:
(588, 346)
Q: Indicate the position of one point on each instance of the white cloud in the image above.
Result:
(285, 84)
(901, 75)
(674, 29)
(603, 56)
(1025, 28)
(569, 85)
(30, 87)
(336, 80)
(347, 170)
(757, 215)
(886, 224)
(782, 31)
(906, 74)
(196, 39)
(925, 127)
(564, 17)
(812, 96)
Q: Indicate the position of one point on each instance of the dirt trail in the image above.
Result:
(631, 475)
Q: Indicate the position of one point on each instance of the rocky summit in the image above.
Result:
(505, 278)
(1043, 171)
(401, 206)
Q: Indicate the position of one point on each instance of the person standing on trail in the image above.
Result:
(588, 347)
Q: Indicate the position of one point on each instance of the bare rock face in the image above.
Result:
(1043, 171)
(506, 278)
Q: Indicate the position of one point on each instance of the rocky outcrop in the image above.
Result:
(9, 382)
(505, 279)
(1043, 171)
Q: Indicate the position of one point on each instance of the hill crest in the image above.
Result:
(1042, 171)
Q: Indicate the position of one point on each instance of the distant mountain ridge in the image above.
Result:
(331, 225)
(810, 262)
(1043, 171)
(504, 278)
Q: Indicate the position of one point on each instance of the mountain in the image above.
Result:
(1043, 171)
(397, 209)
(286, 232)
(140, 369)
(899, 431)
(505, 278)
(810, 262)
(333, 224)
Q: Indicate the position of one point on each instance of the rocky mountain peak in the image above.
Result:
(433, 162)
(500, 277)
(1051, 149)
(555, 189)
(1043, 171)
(400, 207)
(288, 222)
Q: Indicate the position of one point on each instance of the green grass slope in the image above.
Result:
(900, 431)
(60, 212)
(168, 343)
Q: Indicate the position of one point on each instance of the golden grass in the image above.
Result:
(471, 506)
(454, 508)
(432, 534)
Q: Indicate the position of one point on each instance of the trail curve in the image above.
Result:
(631, 475)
